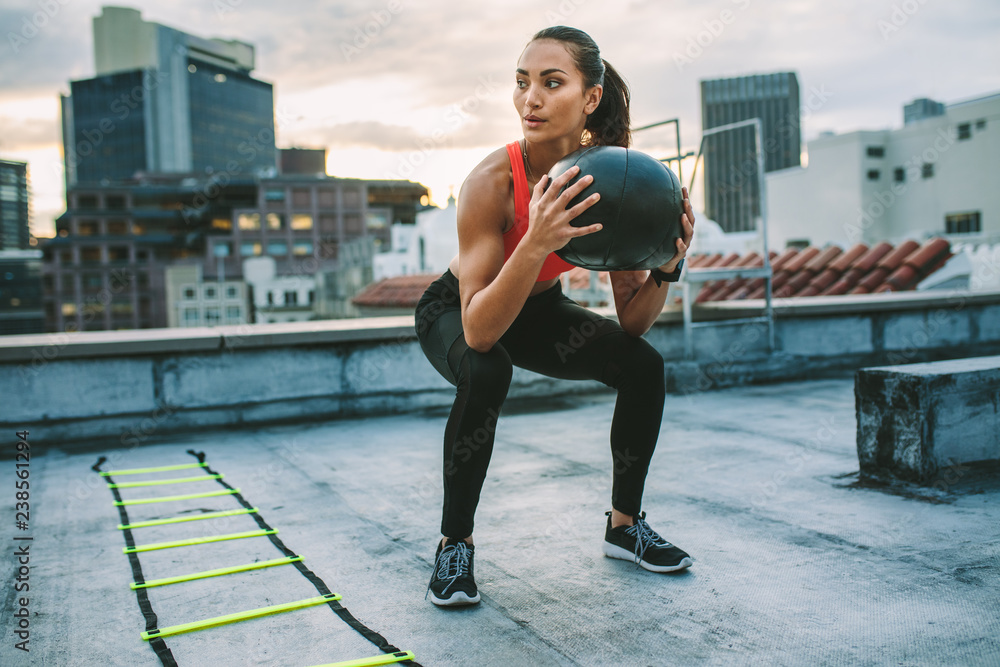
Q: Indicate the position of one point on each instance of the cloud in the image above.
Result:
(473, 132)
(24, 134)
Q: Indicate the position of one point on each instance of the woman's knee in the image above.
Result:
(487, 371)
(642, 366)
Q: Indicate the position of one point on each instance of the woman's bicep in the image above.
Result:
(480, 239)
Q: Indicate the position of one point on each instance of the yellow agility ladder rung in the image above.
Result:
(240, 616)
(158, 482)
(216, 573)
(165, 499)
(137, 471)
(386, 659)
(197, 540)
(180, 519)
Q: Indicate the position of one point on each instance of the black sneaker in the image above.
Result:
(452, 583)
(642, 545)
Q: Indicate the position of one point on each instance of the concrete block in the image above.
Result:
(915, 420)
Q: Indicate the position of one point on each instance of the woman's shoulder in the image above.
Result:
(490, 180)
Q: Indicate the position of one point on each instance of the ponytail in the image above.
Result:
(609, 124)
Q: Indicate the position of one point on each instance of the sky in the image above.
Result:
(422, 89)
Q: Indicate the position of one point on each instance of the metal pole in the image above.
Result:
(677, 128)
(680, 161)
(762, 196)
(688, 329)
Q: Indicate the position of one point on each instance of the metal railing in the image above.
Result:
(699, 276)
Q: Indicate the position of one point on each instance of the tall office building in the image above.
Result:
(14, 222)
(21, 292)
(164, 101)
(732, 196)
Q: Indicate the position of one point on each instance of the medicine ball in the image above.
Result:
(640, 209)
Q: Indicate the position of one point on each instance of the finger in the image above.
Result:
(584, 205)
(539, 188)
(687, 225)
(565, 177)
(583, 231)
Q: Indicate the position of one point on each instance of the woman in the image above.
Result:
(500, 304)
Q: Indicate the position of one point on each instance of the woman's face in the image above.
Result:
(549, 93)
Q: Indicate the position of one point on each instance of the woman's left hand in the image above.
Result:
(687, 232)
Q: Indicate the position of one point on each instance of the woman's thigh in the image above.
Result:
(560, 338)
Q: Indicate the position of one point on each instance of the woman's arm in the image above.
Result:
(492, 291)
(638, 300)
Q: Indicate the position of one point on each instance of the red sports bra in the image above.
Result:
(553, 265)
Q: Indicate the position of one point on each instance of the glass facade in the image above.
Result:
(732, 192)
(232, 121)
(21, 296)
(14, 231)
(109, 133)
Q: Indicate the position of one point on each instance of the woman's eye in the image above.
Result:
(552, 83)
(521, 84)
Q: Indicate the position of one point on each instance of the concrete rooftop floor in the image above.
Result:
(795, 563)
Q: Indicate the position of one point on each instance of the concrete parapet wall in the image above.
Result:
(915, 420)
(133, 385)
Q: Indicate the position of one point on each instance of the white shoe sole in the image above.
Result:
(457, 599)
(614, 551)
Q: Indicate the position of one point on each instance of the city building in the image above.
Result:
(105, 268)
(302, 161)
(170, 158)
(302, 222)
(14, 216)
(276, 298)
(934, 176)
(195, 302)
(21, 292)
(336, 289)
(427, 246)
(731, 185)
(165, 101)
(921, 108)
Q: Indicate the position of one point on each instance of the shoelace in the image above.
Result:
(645, 537)
(452, 563)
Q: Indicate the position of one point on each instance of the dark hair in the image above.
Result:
(609, 124)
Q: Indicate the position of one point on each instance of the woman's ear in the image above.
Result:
(593, 97)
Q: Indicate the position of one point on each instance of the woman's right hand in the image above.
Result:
(549, 227)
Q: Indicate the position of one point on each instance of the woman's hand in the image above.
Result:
(687, 232)
(549, 225)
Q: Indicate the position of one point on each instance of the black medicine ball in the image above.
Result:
(640, 209)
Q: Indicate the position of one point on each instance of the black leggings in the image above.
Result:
(554, 336)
